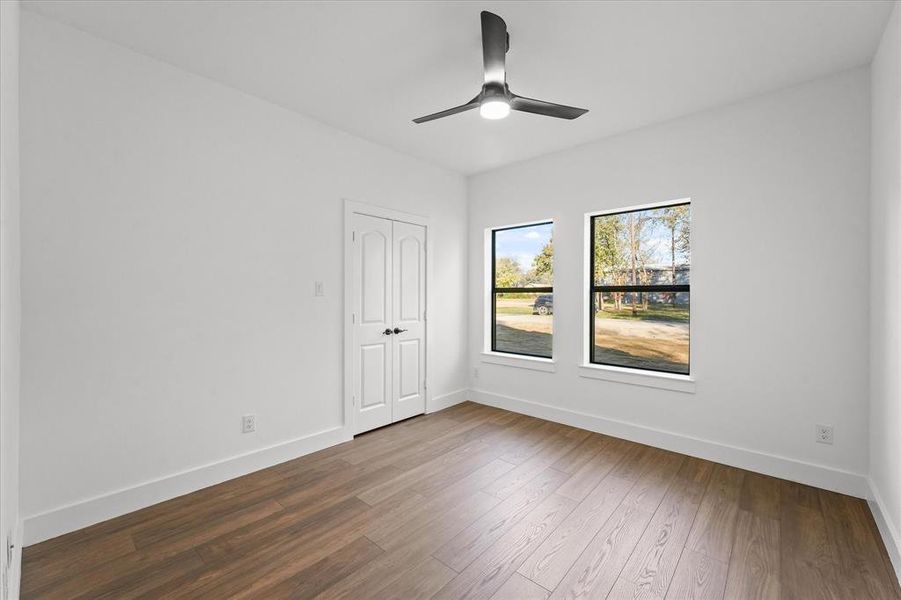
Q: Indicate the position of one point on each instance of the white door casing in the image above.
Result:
(386, 292)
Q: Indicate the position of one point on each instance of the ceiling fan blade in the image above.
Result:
(548, 109)
(495, 43)
(451, 111)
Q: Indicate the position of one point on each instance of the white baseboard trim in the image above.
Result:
(821, 476)
(890, 533)
(72, 517)
(447, 400)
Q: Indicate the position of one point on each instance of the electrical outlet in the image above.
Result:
(248, 423)
(475, 373)
(824, 434)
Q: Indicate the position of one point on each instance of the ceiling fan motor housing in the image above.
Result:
(495, 92)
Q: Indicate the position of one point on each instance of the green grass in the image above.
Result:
(515, 310)
(654, 312)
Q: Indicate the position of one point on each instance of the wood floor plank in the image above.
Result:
(761, 496)
(435, 511)
(215, 507)
(423, 450)
(394, 528)
(472, 541)
(412, 549)
(118, 576)
(754, 566)
(297, 522)
(653, 562)
(503, 417)
(188, 537)
(464, 459)
(858, 554)
(808, 564)
(310, 581)
(518, 587)
(48, 567)
(276, 558)
(624, 589)
(598, 567)
(793, 493)
(549, 563)
(530, 436)
(613, 453)
(137, 583)
(659, 471)
(547, 454)
(713, 532)
(418, 583)
(581, 454)
(407, 508)
(698, 577)
(474, 501)
(348, 482)
(484, 576)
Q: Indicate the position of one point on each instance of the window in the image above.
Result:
(639, 296)
(522, 290)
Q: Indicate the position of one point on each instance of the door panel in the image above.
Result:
(410, 368)
(375, 273)
(409, 314)
(373, 370)
(373, 351)
(410, 250)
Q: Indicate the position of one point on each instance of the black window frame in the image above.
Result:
(512, 290)
(594, 288)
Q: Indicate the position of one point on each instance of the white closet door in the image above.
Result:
(373, 336)
(409, 321)
(389, 296)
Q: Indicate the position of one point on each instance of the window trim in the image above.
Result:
(622, 374)
(521, 361)
(644, 378)
(489, 353)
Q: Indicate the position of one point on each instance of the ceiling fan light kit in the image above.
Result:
(495, 101)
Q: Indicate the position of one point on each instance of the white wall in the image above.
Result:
(10, 308)
(172, 231)
(779, 185)
(885, 286)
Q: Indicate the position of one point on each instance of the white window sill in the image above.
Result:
(534, 363)
(664, 381)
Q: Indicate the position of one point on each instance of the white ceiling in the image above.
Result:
(370, 67)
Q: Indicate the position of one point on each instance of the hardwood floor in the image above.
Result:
(475, 502)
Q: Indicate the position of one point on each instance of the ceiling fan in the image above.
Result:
(495, 101)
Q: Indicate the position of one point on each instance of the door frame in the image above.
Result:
(352, 207)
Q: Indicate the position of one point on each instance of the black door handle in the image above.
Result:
(399, 330)
(387, 332)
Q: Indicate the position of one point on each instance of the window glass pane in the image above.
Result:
(644, 247)
(524, 323)
(523, 256)
(642, 330)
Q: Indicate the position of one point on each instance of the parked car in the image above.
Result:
(544, 305)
